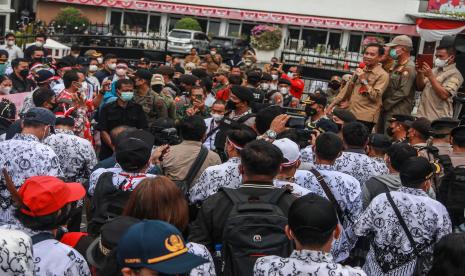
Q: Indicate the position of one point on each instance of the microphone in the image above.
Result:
(362, 65)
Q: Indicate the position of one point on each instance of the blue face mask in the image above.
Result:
(393, 54)
(127, 96)
(2, 68)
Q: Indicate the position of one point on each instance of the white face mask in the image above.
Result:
(274, 77)
(284, 90)
(83, 88)
(112, 66)
(100, 60)
(75, 55)
(440, 63)
(121, 72)
(290, 75)
(93, 68)
(10, 42)
(265, 86)
(5, 90)
(213, 53)
(217, 117)
(39, 44)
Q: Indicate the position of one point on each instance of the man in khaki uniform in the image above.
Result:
(439, 85)
(441, 129)
(399, 97)
(366, 88)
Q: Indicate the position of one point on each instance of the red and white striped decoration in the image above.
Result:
(435, 29)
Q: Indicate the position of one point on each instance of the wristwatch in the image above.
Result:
(271, 134)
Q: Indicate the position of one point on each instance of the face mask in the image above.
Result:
(339, 127)
(212, 53)
(2, 68)
(217, 117)
(283, 90)
(390, 131)
(157, 88)
(93, 68)
(24, 73)
(112, 66)
(248, 63)
(230, 105)
(334, 85)
(121, 72)
(393, 54)
(10, 42)
(274, 77)
(290, 75)
(440, 63)
(100, 60)
(75, 55)
(39, 44)
(127, 96)
(265, 86)
(5, 90)
(310, 111)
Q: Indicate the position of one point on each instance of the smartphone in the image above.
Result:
(297, 122)
(425, 58)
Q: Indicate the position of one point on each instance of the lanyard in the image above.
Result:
(128, 185)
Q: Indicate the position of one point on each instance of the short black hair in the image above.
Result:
(448, 255)
(400, 152)
(265, 117)
(121, 82)
(41, 35)
(193, 128)
(15, 62)
(64, 121)
(355, 134)
(261, 158)
(69, 77)
(328, 146)
(241, 135)
(109, 56)
(10, 35)
(376, 45)
(41, 96)
(197, 87)
(235, 80)
(458, 141)
(32, 124)
(450, 50)
(47, 222)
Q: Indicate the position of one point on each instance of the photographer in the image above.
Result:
(196, 105)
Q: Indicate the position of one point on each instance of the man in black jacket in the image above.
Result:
(260, 163)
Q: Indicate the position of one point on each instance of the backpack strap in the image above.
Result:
(403, 224)
(42, 236)
(329, 194)
(195, 167)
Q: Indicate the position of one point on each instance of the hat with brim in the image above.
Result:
(183, 263)
(400, 40)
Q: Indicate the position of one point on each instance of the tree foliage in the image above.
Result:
(188, 23)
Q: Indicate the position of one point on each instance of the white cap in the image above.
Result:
(290, 151)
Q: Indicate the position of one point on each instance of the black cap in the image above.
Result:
(317, 98)
(284, 81)
(320, 221)
(444, 125)
(200, 73)
(254, 77)
(344, 114)
(110, 234)
(401, 118)
(188, 79)
(144, 61)
(82, 61)
(422, 125)
(143, 135)
(266, 77)
(40, 115)
(243, 93)
(132, 154)
(417, 170)
(380, 141)
(326, 125)
(144, 74)
(458, 133)
(43, 76)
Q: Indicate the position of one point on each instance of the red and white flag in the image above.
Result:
(435, 29)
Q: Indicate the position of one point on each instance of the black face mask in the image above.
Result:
(310, 111)
(390, 131)
(334, 85)
(230, 105)
(157, 88)
(24, 73)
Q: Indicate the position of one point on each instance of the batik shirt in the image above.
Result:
(207, 269)
(297, 190)
(214, 177)
(306, 155)
(24, 156)
(303, 262)
(347, 191)
(52, 257)
(360, 166)
(121, 179)
(76, 155)
(391, 252)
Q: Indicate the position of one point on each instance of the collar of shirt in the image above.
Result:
(258, 184)
(191, 143)
(25, 137)
(448, 67)
(413, 191)
(324, 167)
(235, 117)
(63, 131)
(234, 160)
(312, 255)
(355, 150)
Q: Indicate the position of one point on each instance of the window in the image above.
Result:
(180, 34)
(247, 29)
(214, 28)
(154, 23)
(355, 42)
(334, 41)
(136, 22)
(173, 21)
(313, 37)
(203, 24)
(234, 29)
(115, 19)
(294, 33)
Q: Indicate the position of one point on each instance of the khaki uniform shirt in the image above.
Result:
(153, 105)
(180, 158)
(366, 107)
(194, 59)
(399, 97)
(431, 106)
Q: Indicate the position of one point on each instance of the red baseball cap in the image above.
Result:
(44, 195)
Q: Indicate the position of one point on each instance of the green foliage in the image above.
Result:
(266, 37)
(188, 23)
(71, 17)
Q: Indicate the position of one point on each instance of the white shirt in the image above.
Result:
(303, 262)
(391, 252)
(347, 191)
(14, 51)
(297, 190)
(200, 250)
(24, 156)
(210, 141)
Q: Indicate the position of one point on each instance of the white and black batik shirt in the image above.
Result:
(207, 269)
(391, 252)
(76, 155)
(304, 262)
(347, 191)
(24, 156)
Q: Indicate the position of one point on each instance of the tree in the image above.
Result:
(188, 23)
(71, 18)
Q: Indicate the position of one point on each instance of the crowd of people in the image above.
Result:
(206, 166)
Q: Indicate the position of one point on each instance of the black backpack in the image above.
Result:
(452, 190)
(107, 203)
(254, 228)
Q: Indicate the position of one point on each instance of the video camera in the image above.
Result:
(298, 117)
